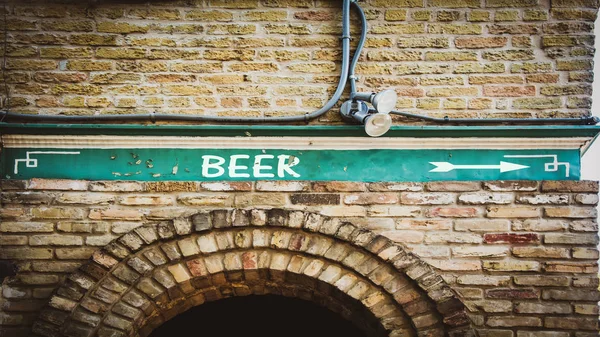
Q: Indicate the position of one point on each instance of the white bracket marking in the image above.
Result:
(549, 167)
(31, 162)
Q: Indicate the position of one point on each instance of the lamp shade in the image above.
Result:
(377, 124)
(385, 101)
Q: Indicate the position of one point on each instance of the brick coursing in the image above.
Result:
(521, 255)
(462, 58)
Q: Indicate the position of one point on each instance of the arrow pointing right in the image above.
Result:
(442, 167)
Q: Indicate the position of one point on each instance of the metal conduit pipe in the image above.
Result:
(153, 117)
(590, 120)
(359, 48)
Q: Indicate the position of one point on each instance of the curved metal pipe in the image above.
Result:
(153, 117)
(591, 120)
(359, 48)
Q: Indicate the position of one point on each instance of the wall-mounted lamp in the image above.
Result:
(384, 102)
(376, 124)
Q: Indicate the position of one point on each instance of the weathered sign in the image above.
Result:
(339, 154)
(284, 164)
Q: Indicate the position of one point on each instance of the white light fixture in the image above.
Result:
(376, 124)
(384, 102)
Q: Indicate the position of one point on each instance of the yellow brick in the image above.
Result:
(288, 3)
(235, 29)
(204, 67)
(397, 3)
(320, 42)
(378, 42)
(154, 13)
(18, 24)
(454, 3)
(115, 78)
(478, 16)
(482, 79)
(423, 42)
(451, 56)
(259, 102)
(254, 66)
(78, 89)
(455, 29)
(480, 103)
(213, 42)
(452, 91)
(120, 53)
(444, 80)
(242, 90)
(428, 103)
(535, 15)
(74, 102)
(256, 42)
(68, 26)
(287, 29)
(455, 103)
(399, 28)
(374, 69)
(506, 16)
(186, 90)
(422, 68)
(394, 56)
(20, 51)
(531, 67)
(313, 67)
(170, 78)
(208, 15)
(470, 68)
(179, 102)
(178, 29)
(395, 15)
(142, 66)
(174, 54)
(274, 15)
(121, 28)
(153, 101)
(155, 42)
(65, 53)
(421, 15)
(229, 54)
(223, 79)
(24, 64)
(235, 4)
(298, 90)
(98, 102)
(284, 55)
(93, 40)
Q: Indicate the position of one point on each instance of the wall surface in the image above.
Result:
(265, 58)
(521, 255)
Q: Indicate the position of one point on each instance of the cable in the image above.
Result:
(591, 120)
(4, 57)
(359, 48)
(252, 120)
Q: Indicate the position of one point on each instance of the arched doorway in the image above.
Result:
(155, 273)
(265, 316)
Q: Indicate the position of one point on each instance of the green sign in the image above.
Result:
(370, 165)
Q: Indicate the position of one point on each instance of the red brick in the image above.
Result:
(511, 238)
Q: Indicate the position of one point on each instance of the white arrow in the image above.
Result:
(503, 167)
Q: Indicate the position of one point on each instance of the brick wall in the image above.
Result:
(463, 58)
(521, 255)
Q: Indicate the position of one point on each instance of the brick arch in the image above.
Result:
(151, 274)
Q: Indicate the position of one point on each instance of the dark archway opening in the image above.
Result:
(265, 316)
